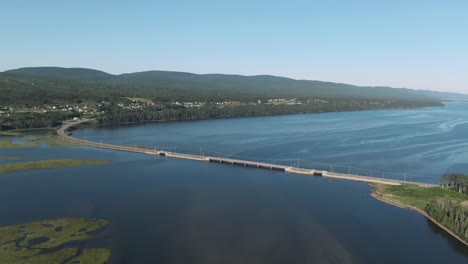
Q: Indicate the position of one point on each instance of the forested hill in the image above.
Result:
(62, 73)
(259, 85)
(45, 96)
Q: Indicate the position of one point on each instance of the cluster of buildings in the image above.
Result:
(65, 108)
(83, 109)
(284, 101)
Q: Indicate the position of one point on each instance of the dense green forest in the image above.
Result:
(44, 96)
(115, 114)
(451, 214)
(34, 120)
(455, 182)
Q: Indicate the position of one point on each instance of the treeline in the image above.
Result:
(113, 114)
(455, 182)
(450, 214)
(34, 120)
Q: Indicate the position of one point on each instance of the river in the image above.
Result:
(167, 210)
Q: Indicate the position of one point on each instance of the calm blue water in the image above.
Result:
(421, 143)
(174, 211)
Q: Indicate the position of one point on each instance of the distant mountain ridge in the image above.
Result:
(261, 84)
(62, 73)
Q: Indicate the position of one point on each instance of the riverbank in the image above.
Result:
(416, 198)
(250, 115)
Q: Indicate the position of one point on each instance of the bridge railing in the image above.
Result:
(291, 162)
(313, 165)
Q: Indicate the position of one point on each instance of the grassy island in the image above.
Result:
(10, 158)
(47, 164)
(11, 134)
(45, 242)
(25, 141)
(446, 208)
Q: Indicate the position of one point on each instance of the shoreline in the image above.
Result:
(194, 119)
(409, 207)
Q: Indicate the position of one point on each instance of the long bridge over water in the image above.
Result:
(62, 133)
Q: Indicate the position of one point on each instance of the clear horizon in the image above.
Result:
(418, 45)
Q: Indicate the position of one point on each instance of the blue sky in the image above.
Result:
(412, 43)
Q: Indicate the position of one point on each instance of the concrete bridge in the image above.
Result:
(61, 132)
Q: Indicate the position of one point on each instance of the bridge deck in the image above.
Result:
(246, 163)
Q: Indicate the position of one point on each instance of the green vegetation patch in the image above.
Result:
(48, 164)
(92, 255)
(11, 134)
(56, 143)
(447, 208)
(4, 143)
(10, 158)
(27, 243)
(36, 141)
(414, 195)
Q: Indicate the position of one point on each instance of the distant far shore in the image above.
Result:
(142, 122)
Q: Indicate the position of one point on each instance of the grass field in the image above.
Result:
(47, 164)
(413, 195)
(47, 235)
